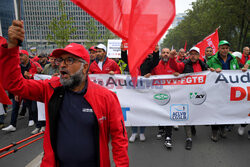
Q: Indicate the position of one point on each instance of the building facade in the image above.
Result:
(39, 13)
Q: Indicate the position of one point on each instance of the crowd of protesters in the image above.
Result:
(159, 62)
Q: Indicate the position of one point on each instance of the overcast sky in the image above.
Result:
(182, 5)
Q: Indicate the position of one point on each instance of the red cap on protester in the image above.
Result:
(24, 52)
(92, 48)
(75, 49)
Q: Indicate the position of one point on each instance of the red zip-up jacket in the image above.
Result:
(163, 68)
(243, 59)
(104, 103)
(108, 65)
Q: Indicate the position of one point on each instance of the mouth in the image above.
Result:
(64, 73)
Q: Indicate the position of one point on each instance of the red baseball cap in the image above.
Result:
(24, 52)
(92, 48)
(75, 49)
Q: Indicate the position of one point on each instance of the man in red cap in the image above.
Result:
(81, 116)
(102, 64)
(92, 54)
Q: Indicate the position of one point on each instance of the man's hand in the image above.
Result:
(176, 74)
(147, 75)
(244, 69)
(212, 69)
(156, 48)
(111, 72)
(172, 54)
(27, 75)
(16, 32)
(55, 75)
(218, 70)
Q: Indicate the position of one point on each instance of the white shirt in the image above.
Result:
(100, 64)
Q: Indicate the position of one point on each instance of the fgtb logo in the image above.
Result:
(197, 97)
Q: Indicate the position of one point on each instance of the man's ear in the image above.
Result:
(85, 68)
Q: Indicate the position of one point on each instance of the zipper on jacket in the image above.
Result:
(123, 128)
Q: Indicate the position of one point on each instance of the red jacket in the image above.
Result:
(243, 59)
(163, 68)
(33, 68)
(103, 102)
(108, 65)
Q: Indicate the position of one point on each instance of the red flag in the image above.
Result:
(211, 40)
(185, 47)
(140, 22)
(4, 99)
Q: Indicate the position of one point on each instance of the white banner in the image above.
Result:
(190, 99)
(113, 49)
(41, 106)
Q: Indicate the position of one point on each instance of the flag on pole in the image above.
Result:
(185, 46)
(211, 40)
(4, 99)
(140, 22)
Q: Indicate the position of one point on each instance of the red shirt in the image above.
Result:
(243, 59)
(107, 66)
(163, 68)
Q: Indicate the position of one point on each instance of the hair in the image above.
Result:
(209, 47)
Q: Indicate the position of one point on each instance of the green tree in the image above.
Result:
(61, 28)
(94, 34)
(205, 16)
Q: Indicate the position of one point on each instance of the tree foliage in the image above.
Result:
(94, 34)
(205, 16)
(61, 28)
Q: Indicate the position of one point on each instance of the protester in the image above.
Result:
(238, 56)
(190, 65)
(208, 53)
(181, 55)
(43, 59)
(163, 68)
(222, 60)
(28, 69)
(92, 54)
(245, 55)
(102, 64)
(51, 68)
(81, 115)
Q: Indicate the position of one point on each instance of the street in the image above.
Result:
(233, 151)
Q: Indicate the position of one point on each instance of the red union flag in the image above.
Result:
(140, 22)
(211, 40)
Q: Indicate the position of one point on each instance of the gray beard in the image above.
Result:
(74, 80)
(165, 60)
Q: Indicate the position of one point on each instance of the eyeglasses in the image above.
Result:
(68, 60)
(190, 54)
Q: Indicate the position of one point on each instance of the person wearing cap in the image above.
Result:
(245, 55)
(28, 70)
(222, 60)
(102, 64)
(92, 54)
(81, 116)
(43, 59)
(190, 65)
(238, 56)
